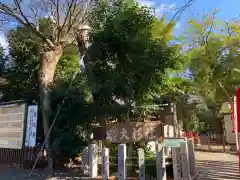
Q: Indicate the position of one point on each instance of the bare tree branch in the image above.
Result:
(57, 12)
(80, 15)
(66, 17)
(209, 29)
(181, 9)
(22, 20)
(17, 2)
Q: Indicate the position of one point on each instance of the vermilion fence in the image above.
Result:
(22, 157)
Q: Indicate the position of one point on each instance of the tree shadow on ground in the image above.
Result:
(218, 170)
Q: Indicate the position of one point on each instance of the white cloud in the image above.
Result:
(163, 8)
(159, 9)
(3, 41)
(149, 3)
(178, 24)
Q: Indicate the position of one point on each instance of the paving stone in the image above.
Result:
(217, 166)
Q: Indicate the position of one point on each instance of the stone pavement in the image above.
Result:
(215, 148)
(217, 166)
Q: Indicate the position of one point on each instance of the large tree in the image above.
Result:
(63, 20)
(214, 54)
(67, 138)
(51, 24)
(129, 48)
(112, 16)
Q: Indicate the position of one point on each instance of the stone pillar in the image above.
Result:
(122, 154)
(93, 164)
(85, 160)
(177, 175)
(185, 161)
(191, 157)
(105, 163)
(141, 164)
(161, 167)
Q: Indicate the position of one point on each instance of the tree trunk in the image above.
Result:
(48, 63)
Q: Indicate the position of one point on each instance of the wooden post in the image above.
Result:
(93, 164)
(177, 175)
(185, 161)
(105, 163)
(85, 160)
(141, 164)
(161, 167)
(122, 153)
(191, 156)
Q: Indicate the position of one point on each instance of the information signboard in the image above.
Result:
(12, 118)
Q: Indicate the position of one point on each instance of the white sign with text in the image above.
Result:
(31, 130)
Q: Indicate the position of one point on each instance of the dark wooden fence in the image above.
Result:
(22, 157)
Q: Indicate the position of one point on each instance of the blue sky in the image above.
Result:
(228, 10)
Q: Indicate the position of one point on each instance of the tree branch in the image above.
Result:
(57, 12)
(10, 12)
(66, 17)
(17, 3)
(182, 8)
(210, 29)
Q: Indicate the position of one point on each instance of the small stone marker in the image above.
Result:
(176, 163)
(122, 153)
(185, 161)
(85, 160)
(191, 156)
(161, 167)
(93, 165)
(105, 163)
(141, 164)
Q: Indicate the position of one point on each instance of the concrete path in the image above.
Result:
(14, 173)
(217, 166)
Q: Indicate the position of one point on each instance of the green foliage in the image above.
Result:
(3, 62)
(151, 166)
(68, 141)
(3, 70)
(213, 53)
(213, 57)
(23, 84)
(128, 60)
(23, 57)
(205, 117)
(131, 59)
